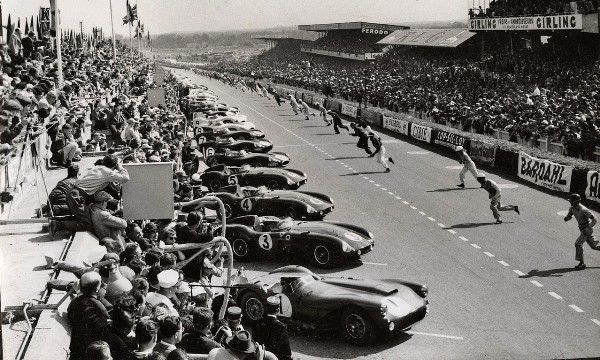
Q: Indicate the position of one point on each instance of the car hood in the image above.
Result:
(316, 203)
(370, 286)
(353, 238)
(295, 175)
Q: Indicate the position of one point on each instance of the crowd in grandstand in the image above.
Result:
(349, 44)
(132, 301)
(537, 91)
(508, 8)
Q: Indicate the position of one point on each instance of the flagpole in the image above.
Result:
(130, 44)
(58, 45)
(112, 28)
(138, 35)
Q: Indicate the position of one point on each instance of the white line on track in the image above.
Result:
(463, 238)
(555, 295)
(413, 207)
(576, 308)
(398, 198)
(504, 263)
(452, 231)
(391, 193)
(422, 213)
(536, 283)
(489, 254)
(441, 225)
(430, 218)
(476, 246)
(519, 272)
(354, 171)
(383, 189)
(374, 263)
(371, 181)
(405, 202)
(366, 178)
(436, 335)
(596, 321)
(377, 185)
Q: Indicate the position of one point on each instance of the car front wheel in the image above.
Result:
(357, 327)
(253, 307)
(273, 184)
(323, 256)
(228, 211)
(241, 249)
(215, 185)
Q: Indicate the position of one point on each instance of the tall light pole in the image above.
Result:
(112, 29)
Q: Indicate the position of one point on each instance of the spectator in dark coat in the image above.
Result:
(58, 196)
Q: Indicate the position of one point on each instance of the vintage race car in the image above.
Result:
(238, 158)
(361, 310)
(247, 200)
(324, 243)
(204, 133)
(226, 117)
(203, 122)
(273, 178)
(218, 145)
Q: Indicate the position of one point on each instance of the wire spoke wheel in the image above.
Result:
(321, 255)
(240, 248)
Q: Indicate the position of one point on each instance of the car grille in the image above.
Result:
(413, 318)
(365, 250)
(302, 182)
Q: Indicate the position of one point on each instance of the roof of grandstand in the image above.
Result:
(355, 25)
(310, 37)
(448, 38)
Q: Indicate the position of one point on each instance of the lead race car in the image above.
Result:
(204, 133)
(325, 243)
(273, 178)
(295, 204)
(242, 157)
(362, 310)
(211, 147)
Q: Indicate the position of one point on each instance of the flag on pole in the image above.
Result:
(26, 27)
(18, 23)
(131, 14)
(137, 31)
(9, 29)
(31, 24)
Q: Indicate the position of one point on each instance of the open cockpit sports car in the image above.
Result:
(361, 310)
(239, 158)
(219, 144)
(273, 178)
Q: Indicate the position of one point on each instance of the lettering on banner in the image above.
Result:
(554, 22)
(483, 152)
(545, 173)
(592, 189)
(396, 125)
(318, 99)
(349, 110)
(449, 139)
(421, 132)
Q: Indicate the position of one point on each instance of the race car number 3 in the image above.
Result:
(265, 242)
(246, 205)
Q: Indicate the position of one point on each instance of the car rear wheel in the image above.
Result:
(241, 249)
(228, 211)
(290, 212)
(211, 161)
(323, 256)
(357, 327)
(214, 185)
(273, 184)
(253, 307)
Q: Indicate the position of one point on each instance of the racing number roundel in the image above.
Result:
(265, 242)
(246, 205)
(285, 309)
(232, 180)
(201, 139)
(352, 236)
(209, 151)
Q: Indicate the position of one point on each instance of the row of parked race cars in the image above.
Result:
(268, 218)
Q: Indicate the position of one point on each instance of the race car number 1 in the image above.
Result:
(265, 242)
(232, 180)
(246, 205)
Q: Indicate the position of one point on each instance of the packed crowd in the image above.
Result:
(132, 302)
(348, 43)
(535, 92)
(507, 8)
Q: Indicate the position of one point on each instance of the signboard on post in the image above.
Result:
(44, 18)
(159, 76)
(156, 97)
(349, 110)
(592, 189)
(552, 22)
(545, 173)
(483, 152)
(396, 125)
(449, 139)
(420, 132)
(149, 192)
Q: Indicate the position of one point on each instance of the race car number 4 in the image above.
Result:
(352, 236)
(265, 242)
(246, 204)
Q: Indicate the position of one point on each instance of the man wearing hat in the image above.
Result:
(379, 151)
(240, 346)
(469, 165)
(586, 221)
(167, 279)
(105, 224)
(231, 326)
(273, 333)
(57, 198)
(130, 132)
(363, 138)
(494, 194)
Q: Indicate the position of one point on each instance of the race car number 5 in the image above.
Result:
(246, 205)
(232, 180)
(265, 242)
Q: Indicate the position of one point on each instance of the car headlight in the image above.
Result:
(309, 209)
(256, 133)
(383, 309)
(424, 291)
(290, 182)
(281, 157)
(346, 247)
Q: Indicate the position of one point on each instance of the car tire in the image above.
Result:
(242, 251)
(323, 256)
(214, 184)
(228, 211)
(253, 307)
(357, 327)
(273, 184)
(259, 163)
(211, 161)
(291, 213)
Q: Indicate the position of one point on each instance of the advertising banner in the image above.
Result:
(349, 110)
(545, 173)
(420, 132)
(592, 189)
(483, 152)
(318, 99)
(149, 192)
(396, 125)
(156, 97)
(553, 22)
(449, 139)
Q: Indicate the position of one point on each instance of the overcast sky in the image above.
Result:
(162, 16)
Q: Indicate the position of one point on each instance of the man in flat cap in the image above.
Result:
(586, 221)
(272, 333)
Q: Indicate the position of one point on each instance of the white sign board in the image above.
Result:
(149, 192)
(545, 173)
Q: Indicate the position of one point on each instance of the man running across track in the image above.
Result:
(294, 104)
(305, 109)
(469, 165)
(379, 151)
(337, 122)
(323, 113)
(494, 194)
(586, 221)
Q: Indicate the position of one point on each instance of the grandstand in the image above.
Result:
(351, 40)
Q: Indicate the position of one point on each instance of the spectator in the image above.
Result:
(171, 332)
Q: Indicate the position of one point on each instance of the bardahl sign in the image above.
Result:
(449, 139)
(545, 173)
(420, 132)
(592, 189)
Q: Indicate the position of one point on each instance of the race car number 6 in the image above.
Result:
(232, 180)
(246, 204)
(265, 242)
(209, 151)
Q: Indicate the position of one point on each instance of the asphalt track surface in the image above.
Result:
(504, 291)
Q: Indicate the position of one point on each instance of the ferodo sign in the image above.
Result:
(399, 126)
(420, 132)
(449, 139)
(378, 29)
(545, 173)
(592, 189)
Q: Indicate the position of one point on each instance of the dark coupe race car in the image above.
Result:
(273, 178)
(207, 133)
(239, 158)
(218, 145)
(295, 204)
(361, 310)
(325, 243)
